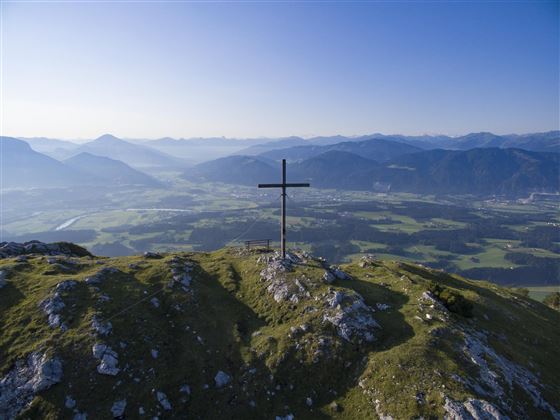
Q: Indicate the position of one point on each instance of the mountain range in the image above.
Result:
(480, 163)
(135, 155)
(200, 149)
(23, 167)
(376, 149)
(489, 171)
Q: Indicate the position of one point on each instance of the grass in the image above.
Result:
(231, 323)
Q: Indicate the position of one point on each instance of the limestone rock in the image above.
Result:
(222, 379)
(471, 409)
(152, 255)
(108, 357)
(101, 275)
(101, 328)
(350, 315)
(117, 410)
(69, 402)
(163, 401)
(52, 305)
(14, 249)
(28, 377)
(328, 277)
(181, 271)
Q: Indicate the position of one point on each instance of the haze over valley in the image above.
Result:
(481, 205)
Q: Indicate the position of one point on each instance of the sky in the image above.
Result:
(250, 69)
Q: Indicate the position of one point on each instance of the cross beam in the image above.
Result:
(283, 185)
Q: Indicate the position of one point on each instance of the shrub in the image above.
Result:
(553, 300)
(452, 300)
(523, 291)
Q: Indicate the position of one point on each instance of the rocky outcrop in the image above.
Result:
(14, 249)
(52, 305)
(349, 314)
(100, 327)
(181, 270)
(109, 359)
(101, 275)
(471, 409)
(18, 388)
(495, 370)
(281, 286)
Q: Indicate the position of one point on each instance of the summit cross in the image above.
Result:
(283, 185)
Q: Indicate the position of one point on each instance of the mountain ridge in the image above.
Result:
(246, 335)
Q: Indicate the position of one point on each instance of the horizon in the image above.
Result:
(274, 69)
(270, 138)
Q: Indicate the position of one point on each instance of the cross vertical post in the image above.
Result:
(283, 211)
(283, 185)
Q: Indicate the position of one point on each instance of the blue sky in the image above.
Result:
(148, 70)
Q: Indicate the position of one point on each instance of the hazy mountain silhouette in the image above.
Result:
(135, 155)
(484, 171)
(24, 167)
(111, 171)
(244, 170)
(376, 149)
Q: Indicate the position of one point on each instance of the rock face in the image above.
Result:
(18, 388)
(14, 249)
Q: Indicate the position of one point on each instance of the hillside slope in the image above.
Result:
(23, 167)
(237, 334)
(380, 150)
(110, 170)
(135, 155)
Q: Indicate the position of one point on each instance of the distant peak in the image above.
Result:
(107, 137)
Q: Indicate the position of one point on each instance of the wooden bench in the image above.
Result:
(258, 243)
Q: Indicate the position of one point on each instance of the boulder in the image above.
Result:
(117, 410)
(222, 379)
(108, 357)
(101, 328)
(163, 401)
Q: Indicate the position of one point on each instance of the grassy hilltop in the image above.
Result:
(236, 334)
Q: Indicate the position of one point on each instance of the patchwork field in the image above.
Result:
(511, 243)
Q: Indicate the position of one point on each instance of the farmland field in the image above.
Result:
(508, 242)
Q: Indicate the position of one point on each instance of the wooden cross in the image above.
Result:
(283, 185)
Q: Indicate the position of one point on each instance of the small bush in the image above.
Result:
(553, 300)
(452, 300)
(522, 291)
